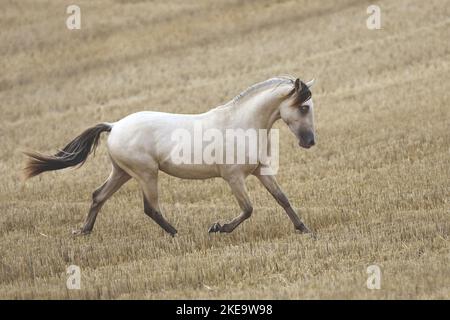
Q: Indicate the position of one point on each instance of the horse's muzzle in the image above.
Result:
(306, 140)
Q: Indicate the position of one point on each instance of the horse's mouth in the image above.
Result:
(306, 139)
(303, 145)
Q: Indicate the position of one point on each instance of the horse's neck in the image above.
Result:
(257, 112)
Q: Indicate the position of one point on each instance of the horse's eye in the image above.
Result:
(304, 109)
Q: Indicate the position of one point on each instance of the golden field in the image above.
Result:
(375, 188)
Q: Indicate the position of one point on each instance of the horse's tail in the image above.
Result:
(74, 153)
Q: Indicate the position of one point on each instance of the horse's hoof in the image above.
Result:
(215, 228)
(303, 229)
(80, 232)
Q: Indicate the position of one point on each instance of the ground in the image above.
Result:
(375, 188)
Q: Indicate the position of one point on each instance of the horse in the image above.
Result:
(138, 147)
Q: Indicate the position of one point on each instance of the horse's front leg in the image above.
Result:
(240, 192)
(270, 183)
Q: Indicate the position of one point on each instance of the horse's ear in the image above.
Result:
(297, 85)
(310, 83)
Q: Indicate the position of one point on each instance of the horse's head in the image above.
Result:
(297, 110)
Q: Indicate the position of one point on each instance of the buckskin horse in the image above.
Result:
(138, 148)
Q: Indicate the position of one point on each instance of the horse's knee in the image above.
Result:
(97, 198)
(149, 211)
(247, 212)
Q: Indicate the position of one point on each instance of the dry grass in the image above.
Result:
(376, 187)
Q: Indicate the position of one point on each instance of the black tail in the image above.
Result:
(75, 153)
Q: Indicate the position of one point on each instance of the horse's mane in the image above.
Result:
(250, 91)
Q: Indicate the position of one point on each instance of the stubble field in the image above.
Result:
(375, 188)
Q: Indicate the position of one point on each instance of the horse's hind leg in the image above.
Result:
(115, 180)
(149, 185)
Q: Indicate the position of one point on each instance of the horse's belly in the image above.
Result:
(190, 171)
